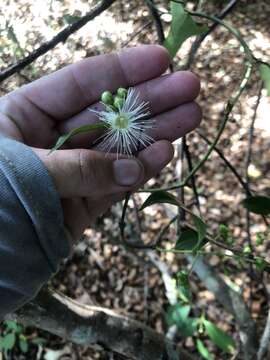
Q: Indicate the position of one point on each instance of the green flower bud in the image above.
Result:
(107, 98)
(122, 93)
(118, 102)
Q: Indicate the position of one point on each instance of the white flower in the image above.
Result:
(127, 125)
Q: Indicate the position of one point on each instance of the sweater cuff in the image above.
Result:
(34, 187)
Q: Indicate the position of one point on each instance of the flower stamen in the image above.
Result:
(128, 120)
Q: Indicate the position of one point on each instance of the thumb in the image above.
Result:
(87, 173)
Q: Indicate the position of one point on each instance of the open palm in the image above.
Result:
(38, 113)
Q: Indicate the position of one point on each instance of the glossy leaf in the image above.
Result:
(182, 27)
(189, 241)
(258, 204)
(82, 129)
(203, 350)
(160, 197)
(200, 227)
(224, 341)
(265, 75)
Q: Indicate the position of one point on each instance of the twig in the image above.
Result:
(247, 163)
(227, 162)
(136, 33)
(62, 36)
(193, 178)
(90, 325)
(199, 40)
(158, 24)
(228, 109)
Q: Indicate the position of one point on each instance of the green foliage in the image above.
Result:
(260, 237)
(203, 350)
(82, 129)
(7, 342)
(182, 27)
(258, 204)
(201, 228)
(23, 344)
(189, 241)
(223, 231)
(260, 264)
(13, 336)
(224, 341)
(160, 197)
(179, 315)
(265, 75)
(225, 234)
(182, 285)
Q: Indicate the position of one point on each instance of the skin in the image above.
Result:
(88, 181)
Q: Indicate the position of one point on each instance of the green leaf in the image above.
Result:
(183, 287)
(23, 345)
(160, 197)
(258, 204)
(224, 341)
(182, 27)
(7, 342)
(203, 350)
(12, 325)
(71, 19)
(179, 315)
(189, 241)
(82, 129)
(265, 75)
(200, 226)
(189, 238)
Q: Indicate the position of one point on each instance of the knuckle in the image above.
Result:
(91, 170)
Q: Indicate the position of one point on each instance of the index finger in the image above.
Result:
(68, 91)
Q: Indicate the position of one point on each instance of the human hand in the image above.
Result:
(88, 181)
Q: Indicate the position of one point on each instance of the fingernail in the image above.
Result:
(127, 172)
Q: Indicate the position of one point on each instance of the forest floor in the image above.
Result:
(101, 271)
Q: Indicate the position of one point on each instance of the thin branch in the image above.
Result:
(193, 178)
(90, 325)
(251, 132)
(247, 163)
(158, 23)
(227, 112)
(136, 33)
(62, 36)
(227, 162)
(199, 40)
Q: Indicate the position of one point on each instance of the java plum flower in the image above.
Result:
(127, 121)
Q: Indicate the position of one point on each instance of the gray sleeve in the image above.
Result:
(33, 239)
